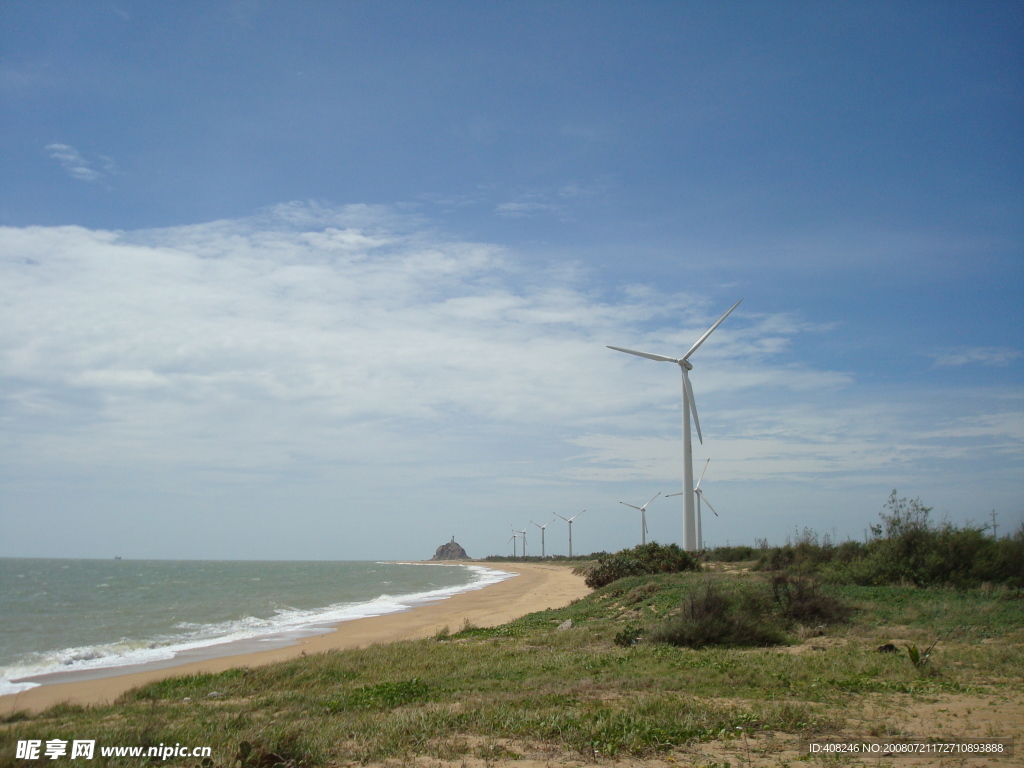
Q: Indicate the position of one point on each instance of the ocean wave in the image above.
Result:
(286, 623)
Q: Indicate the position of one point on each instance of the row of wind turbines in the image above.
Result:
(698, 493)
(692, 533)
(517, 534)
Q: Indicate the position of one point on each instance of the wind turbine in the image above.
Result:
(569, 521)
(542, 527)
(515, 536)
(689, 523)
(700, 496)
(643, 517)
(523, 534)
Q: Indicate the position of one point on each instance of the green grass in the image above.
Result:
(961, 614)
(502, 692)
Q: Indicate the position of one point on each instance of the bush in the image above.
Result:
(629, 636)
(807, 554)
(644, 559)
(736, 554)
(907, 548)
(802, 600)
(710, 616)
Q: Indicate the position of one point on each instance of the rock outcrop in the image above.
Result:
(450, 551)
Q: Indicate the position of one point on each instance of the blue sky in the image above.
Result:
(335, 280)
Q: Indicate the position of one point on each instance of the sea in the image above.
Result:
(72, 619)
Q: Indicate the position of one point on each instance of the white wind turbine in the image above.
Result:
(689, 523)
(513, 539)
(643, 517)
(542, 527)
(518, 535)
(569, 521)
(700, 497)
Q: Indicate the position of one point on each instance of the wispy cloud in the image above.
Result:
(956, 358)
(554, 202)
(77, 166)
(520, 208)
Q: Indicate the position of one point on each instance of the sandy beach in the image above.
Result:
(535, 588)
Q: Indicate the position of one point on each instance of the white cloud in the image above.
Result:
(521, 208)
(76, 166)
(961, 356)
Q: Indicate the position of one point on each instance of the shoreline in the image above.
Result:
(535, 587)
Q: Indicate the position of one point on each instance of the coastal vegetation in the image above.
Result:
(716, 662)
(644, 559)
(906, 547)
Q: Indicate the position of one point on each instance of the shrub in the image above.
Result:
(801, 599)
(629, 636)
(907, 548)
(735, 554)
(645, 559)
(710, 616)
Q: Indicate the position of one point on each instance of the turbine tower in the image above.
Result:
(643, 517)
(699, 494)
(689, 521)
(515, 536)
(522, 533)
(542, 527)
(569, 521)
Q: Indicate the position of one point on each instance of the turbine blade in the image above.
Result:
(702, 474)
(564, 518)
(653, 498)
(708, 331)
(576, 515)
(667, 495)
(709, 505)
(630, 505)
(693, 405)
(648, 355)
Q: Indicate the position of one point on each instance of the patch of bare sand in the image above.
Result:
(813, 644)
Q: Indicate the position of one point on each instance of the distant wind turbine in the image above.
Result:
(700, 496)
(569, 521)
(689, 522)
(643, 517)
(515, 536)
(542, 527)
(522, 534)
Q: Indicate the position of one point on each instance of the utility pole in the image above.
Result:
(994, 534)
